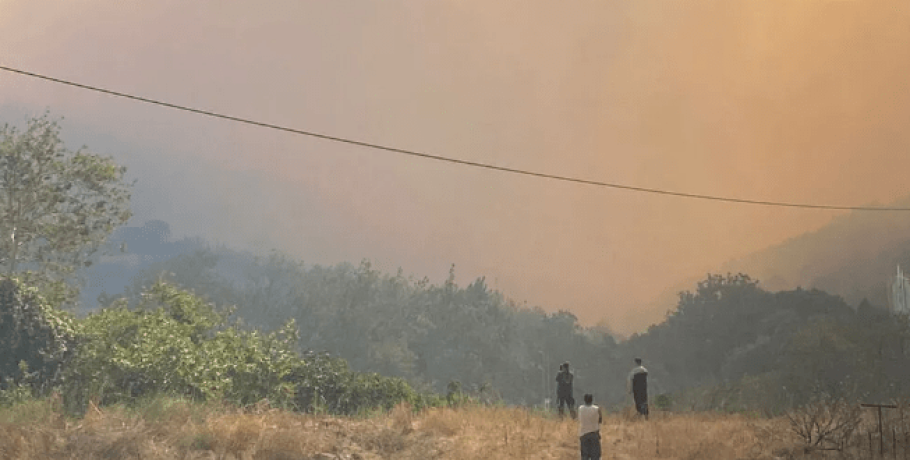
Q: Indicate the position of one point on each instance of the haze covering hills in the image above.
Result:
(735, 335)
(855, 256)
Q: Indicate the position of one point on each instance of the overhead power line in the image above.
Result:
(475, 164)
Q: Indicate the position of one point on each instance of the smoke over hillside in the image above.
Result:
(855, 256)
(796, 101)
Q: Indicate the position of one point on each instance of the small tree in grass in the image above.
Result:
(825, 422)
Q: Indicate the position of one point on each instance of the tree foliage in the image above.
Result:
(175, 343)
(429, 334)
(746, 347)
(728, 344)
(56, 206)
(36, 338)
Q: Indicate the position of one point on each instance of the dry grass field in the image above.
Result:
(169, 429)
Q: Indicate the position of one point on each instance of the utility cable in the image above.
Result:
(475, 164)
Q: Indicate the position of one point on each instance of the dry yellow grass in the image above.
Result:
(177, 430)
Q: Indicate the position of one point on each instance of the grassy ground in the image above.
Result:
(173, 429)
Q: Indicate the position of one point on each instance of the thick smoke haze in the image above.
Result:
(792, 101)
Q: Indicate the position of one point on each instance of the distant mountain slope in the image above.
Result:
(854, 256)
(130, 250)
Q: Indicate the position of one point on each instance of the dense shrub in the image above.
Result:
(35, 338)
(175, 343)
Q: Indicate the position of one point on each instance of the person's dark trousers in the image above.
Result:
(590, 446)
(641, 405)
(563, 401)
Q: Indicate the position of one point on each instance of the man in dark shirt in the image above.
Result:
(638, 386)
(564, 389)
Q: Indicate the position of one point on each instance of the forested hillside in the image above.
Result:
(726, 343)
(433, 335)
(854, 256)
(747, 347)
(729, 343)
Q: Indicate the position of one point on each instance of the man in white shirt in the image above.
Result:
(637, 385)
(589, 420)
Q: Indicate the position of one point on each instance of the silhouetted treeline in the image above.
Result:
(432, 335)
(743, 347)
(728, 343)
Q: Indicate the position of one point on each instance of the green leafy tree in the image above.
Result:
(36, 338)
(176, 343)
(56, 206)
(403, 327)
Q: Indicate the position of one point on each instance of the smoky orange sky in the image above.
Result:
(796, 101)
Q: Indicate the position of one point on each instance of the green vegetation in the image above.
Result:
(36, 340)
(57, 206)
(745, 348)
(728, 345)
(175, 344)
(430, 335)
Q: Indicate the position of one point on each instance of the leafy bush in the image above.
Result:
(35, 338)
(175, 343)
(663, 402)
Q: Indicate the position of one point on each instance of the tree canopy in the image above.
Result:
(57, 206)
(735, 342)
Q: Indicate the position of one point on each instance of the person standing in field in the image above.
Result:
(564, 390)
(589, 420)
(637, 385)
